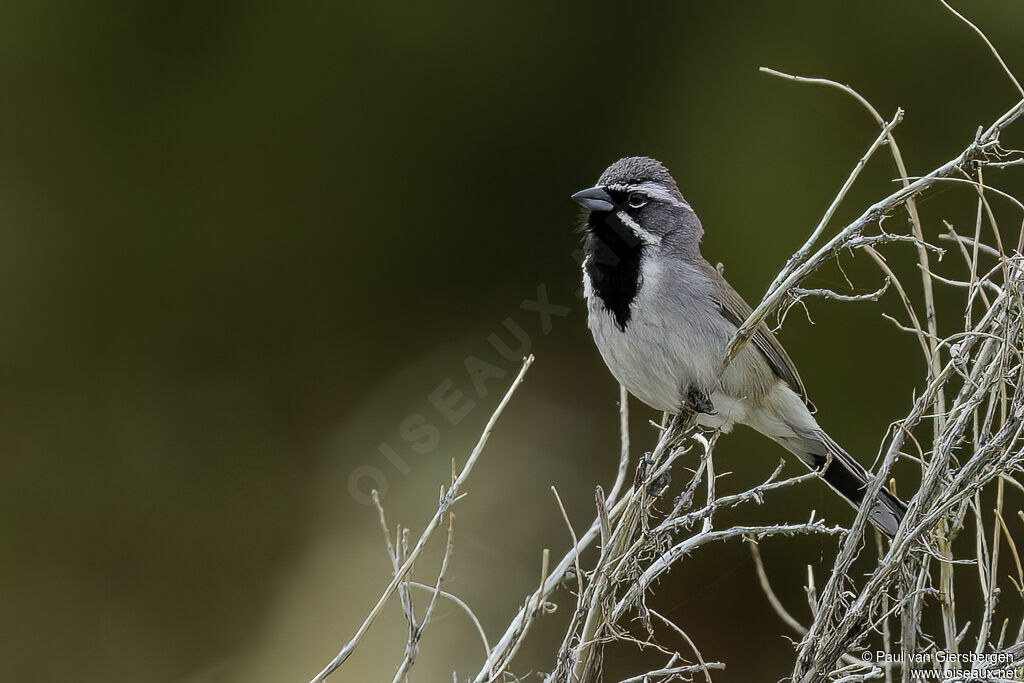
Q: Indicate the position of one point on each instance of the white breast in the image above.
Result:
(673, 340)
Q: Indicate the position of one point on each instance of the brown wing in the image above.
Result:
(736, 310)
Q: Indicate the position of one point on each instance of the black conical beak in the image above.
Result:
(595, 199)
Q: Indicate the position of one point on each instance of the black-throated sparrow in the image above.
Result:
(662, 317)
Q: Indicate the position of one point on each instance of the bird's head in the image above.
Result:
(639, 194)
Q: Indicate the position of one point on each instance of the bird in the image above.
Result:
(662, 318)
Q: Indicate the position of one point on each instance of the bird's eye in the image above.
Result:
(637, 199)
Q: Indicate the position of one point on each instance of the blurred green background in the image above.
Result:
(242, 243)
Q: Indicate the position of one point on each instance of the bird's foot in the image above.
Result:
(643, 466)
(699, 402)
(659, 484)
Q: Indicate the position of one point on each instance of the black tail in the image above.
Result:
(850, 480)
(845, 476)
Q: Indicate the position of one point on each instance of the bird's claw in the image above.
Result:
(659, 484)
(642, 467)
(699, 402)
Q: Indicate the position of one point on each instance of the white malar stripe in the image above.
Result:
(645, 235)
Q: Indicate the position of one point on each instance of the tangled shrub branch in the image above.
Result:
(963, 432)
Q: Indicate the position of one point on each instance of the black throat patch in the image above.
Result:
(613, 263)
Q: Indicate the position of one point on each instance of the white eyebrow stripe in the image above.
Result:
(651, 189)
(645, 235)
(659, 192)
